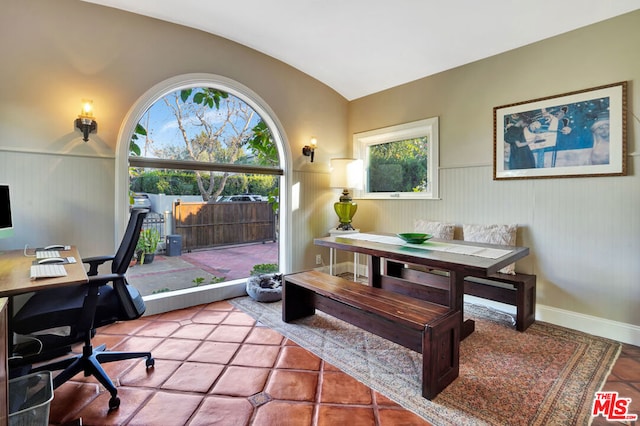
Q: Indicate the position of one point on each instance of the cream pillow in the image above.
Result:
(504, 235)
(436, 229)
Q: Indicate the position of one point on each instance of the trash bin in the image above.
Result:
(174, 245)
(29, 399)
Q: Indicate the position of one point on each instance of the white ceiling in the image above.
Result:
(360, 47)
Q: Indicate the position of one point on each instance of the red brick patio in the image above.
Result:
(168, 273)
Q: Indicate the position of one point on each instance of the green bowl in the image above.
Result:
(414, 238)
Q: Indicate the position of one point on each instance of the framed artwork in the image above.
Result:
(575, 134)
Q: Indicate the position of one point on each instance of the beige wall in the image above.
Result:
(584, 233)
(61, 52)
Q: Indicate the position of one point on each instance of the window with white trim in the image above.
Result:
(399, 161)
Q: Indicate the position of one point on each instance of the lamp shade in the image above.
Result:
(346, 173)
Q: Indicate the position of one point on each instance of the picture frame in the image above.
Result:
(576, 134)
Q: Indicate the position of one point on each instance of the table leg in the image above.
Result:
(456, 301)
(331, 261)
(375, 279)
(355, 266)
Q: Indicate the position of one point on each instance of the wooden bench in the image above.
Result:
(518, 290)
(425, 327)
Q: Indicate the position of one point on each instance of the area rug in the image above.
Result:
(547, 375)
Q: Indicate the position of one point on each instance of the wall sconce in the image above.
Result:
(308, 150)
(85, 121)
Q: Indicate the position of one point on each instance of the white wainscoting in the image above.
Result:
(60, 199)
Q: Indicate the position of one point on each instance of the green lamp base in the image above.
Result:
(345, 211)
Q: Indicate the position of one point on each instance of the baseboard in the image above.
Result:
(615, 330)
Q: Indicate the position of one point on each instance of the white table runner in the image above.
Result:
(486, 252)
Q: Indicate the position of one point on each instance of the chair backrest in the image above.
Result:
(129, 241)
(130, 301)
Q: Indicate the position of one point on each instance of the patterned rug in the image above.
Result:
(545, 376)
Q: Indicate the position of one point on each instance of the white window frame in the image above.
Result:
(416, 129)
(179, 299)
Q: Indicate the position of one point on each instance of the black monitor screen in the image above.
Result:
(5, 208)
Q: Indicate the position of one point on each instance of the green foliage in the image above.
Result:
(173, 182)
(196, 281)
(273, 198)
(267, 154)
(260, 184)
(148, 242)
(398, 166)
(165, 182)
(214, 280)
(400, 150)
(134, 148)
(261, 143)
(204, 96)
(264, 268)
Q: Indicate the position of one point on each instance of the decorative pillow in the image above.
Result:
(437, 229)
(493, 234)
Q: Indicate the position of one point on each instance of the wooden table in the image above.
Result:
(432, 256)
(15, 279)
(15, 269)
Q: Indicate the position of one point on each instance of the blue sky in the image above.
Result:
(162, 126)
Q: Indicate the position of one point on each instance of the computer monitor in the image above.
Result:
(6, 222)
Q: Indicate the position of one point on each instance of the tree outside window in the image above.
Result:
(210, 128)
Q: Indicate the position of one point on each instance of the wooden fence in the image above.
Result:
(205, 225)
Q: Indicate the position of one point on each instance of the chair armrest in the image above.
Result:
(102, 279)
(96, 261)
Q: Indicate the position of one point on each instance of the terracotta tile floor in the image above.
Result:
(216, 366)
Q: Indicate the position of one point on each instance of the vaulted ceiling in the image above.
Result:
(360, 47)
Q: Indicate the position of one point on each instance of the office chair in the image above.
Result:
(82, 309)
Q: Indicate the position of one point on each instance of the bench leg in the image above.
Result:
(526, 304)
(297, 302)
(440, 354)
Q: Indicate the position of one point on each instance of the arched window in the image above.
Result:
(195, 145)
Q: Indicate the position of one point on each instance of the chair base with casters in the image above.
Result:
(89, 362)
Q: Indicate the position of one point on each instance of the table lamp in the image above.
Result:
(345, 173)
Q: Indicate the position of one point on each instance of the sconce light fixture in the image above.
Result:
(308, 150)
(85, 121)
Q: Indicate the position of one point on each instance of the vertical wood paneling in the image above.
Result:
(584, 233)
(312, 219)
(60, 199)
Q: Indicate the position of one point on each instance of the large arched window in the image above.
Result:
(204, 140)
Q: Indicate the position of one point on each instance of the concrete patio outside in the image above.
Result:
(168, 273)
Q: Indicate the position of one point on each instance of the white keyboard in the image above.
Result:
(43, 254)
(47, 271)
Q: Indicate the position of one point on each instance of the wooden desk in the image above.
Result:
(15, 268)
(15, 279)
(456, 264)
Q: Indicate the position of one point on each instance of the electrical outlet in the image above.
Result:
(318, 259)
